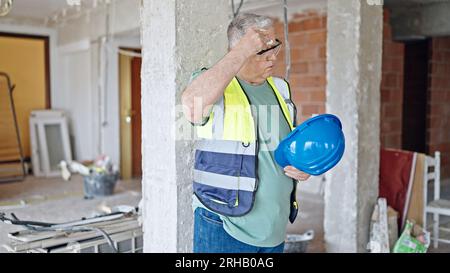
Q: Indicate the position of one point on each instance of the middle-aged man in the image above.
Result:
(242, 199)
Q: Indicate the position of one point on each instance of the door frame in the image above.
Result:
(126, 155)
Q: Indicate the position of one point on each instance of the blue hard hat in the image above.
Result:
(313, 147)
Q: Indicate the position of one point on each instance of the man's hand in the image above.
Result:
(254, 40)
(295, 173)
(207, 88)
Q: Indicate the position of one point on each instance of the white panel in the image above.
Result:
(77, 93)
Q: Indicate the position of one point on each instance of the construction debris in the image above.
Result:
(101, 165)
(298, 243)
(392, 227)
(118, 231)
(413, 239)
(72, 167)
(379, 235)
(99, 176)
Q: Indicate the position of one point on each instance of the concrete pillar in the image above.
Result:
(178, 36)
(354, 48)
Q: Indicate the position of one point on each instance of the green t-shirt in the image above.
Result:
(265, 225)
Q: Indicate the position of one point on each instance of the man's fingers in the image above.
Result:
(290, 175)
(264, 36)
(297, 176)
(290, 168)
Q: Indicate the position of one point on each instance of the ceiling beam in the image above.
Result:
(274, 8)
(412, 22)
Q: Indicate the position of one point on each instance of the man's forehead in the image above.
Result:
(271, 32)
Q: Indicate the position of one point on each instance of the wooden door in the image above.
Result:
(136, 155)
(25, 58)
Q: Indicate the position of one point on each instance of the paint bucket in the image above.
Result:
(99, 184)
(298, 243)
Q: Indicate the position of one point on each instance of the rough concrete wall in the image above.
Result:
(438, 118)
(193, 35)
(307, 39)
(391, 88)
(353, 74)
(369, 103)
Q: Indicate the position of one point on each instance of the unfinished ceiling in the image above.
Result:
(47, 12)
(52, 12)
(411, 2)
(32, 9)
(419, 19)
(274, 8)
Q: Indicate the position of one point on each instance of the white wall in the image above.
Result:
(77, 100)
(95, 129)
(94, 104)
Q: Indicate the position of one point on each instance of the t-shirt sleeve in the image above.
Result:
(194, 75)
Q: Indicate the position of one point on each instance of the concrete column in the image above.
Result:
(354, 48)
(178, 36)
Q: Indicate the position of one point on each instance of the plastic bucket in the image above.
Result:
(99, 184)
(298, 243)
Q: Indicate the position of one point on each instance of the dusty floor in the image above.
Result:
(63, 201)
(310, 216)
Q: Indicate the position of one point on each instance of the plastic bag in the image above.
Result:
(413, 240)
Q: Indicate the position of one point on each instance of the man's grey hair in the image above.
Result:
(241, 23)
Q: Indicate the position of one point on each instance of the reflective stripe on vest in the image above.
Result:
(225, 171)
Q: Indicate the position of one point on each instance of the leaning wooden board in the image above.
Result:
(415, 208)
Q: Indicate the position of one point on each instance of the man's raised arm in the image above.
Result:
(208, 87)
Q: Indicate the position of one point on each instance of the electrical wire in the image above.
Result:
(236, 12)
(286, 41)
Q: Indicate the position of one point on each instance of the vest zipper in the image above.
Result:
(218, 201)
(294, 122)
(255, 121)
(294, 182)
